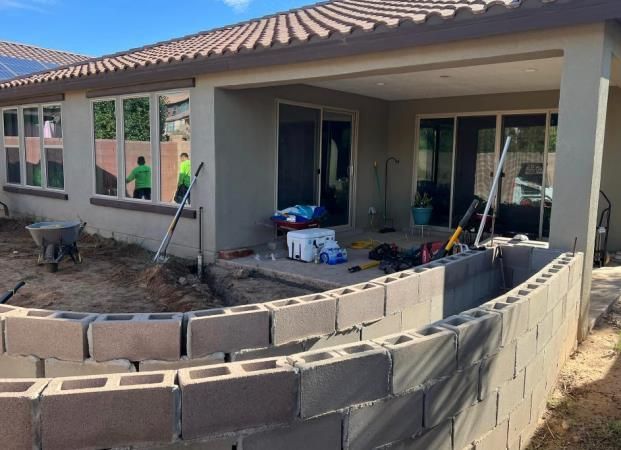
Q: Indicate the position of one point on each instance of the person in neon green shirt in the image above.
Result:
(185, 177)
(141, 175)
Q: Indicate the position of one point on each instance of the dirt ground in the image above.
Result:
(117, 277)
(585, 409)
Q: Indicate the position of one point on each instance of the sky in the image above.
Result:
(99, 27)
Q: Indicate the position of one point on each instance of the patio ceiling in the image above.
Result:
(518, 76)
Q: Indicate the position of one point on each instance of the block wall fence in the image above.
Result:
(459, 353)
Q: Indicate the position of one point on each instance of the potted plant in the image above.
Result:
(422, 209)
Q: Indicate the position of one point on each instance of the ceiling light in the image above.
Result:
(445, 76)
(530, 70)
(381, 83)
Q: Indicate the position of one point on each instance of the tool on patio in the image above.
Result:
(5, 208)
(57, 240)
(463, 223)
(6, 296)
(366, 266)
(160, 256)
(388, 221)
(491, 199)
(600, 256)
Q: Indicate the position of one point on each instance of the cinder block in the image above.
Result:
(517, 256)
(219, 443)
(437, 438)
(526, 349)
(456, 271)
(331, 379)
(401, 291)
(534, 371)
(539, 400)
(20, 367)
(474, 422)
(358, 304)
(383, 327)
(346, 337)
(302, 317)
(269, 352)
(562, 273)
(227, 330)
(541, 257)
(55, 368)
(416, 316)
(184, 363)
(18, 413)
(419, 357)
(544, 331)
(479, 334)
(498, 369)
(6, 310)
(322, 433)
(431, 288)
(514, 316)
(495, 439)
(110, 411)
(236, 396)
(449, 396)
(48, 334)
(510, 395)
(385, 421)
(136, 337)
(519, 419)
(537, 295)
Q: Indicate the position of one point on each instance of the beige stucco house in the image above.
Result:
(306, 106)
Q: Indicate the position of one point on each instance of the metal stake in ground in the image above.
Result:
(160, 256)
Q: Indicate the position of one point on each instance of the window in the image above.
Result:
(34, 146)
(11, 145)
(106, 168)
(155, 170)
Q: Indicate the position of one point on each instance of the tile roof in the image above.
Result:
(330, 19)
(30, 52)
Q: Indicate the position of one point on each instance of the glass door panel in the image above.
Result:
(336, 154)
(298, 155)
(474, 162)
(435, 166)
(521, 193)
(549, 176)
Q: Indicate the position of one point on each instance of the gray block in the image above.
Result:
(517, 256)
(383, 327)
(498, 369)
(537, 294)
(385, 421)
(438, 438)
(526, 349)
(48, 334)
(341, 377)
(226, 443)
(544, 331)
(20, 367)
(322, 433)
(541, 257)
(447, 397)
(510, 395)
(333, 340)
(401, 291)
(269, 352)
(358, 304)
(18, 413)
(302, 317)
(495, 439)
(479, 334)
(474, 422)
(455, 271)
(419, 357)
(232, 397)
(519, 419)
(55, 368)
(151, 365)
(227, 330)
(514, 314)
(416, 316)
(561, 272)
(431, 288)
(136, 337)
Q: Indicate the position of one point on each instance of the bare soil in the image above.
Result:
(118, 277)
(584, 411)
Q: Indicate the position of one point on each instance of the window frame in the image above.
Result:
(21, 136)
(155, 144)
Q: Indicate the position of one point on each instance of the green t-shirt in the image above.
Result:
(142, 175)
(185, 173)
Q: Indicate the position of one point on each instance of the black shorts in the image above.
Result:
(143, 193)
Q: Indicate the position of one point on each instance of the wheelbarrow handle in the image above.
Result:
(8, 294)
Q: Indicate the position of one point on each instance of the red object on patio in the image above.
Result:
(283, 225)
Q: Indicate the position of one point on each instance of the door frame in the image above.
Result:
(499, 114)
(353, 154)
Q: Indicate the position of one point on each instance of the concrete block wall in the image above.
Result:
(445, 391)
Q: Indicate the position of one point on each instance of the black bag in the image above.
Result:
(181, 191)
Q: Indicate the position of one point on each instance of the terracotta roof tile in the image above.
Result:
(320, 21)
(30, 52)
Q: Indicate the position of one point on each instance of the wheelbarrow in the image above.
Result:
(56, 240)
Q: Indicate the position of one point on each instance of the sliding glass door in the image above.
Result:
(315, 148)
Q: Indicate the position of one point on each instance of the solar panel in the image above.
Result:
(21, 66)
(49, 65)
(5, 74)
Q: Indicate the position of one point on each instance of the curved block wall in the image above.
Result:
(474, 377)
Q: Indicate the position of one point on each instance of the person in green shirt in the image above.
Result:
(141, 175)
(185, 177)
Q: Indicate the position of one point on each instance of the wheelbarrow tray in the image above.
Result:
(55, 233)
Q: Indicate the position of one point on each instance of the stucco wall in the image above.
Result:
(611, 182)
(246, 124)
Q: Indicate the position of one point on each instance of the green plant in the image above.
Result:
(422, 201)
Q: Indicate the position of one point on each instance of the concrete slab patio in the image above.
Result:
(605, 292)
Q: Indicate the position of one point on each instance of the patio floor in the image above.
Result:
(323, 276)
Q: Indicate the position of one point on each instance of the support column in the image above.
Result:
(582, 122)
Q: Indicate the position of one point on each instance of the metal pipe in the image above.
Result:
(493, 191)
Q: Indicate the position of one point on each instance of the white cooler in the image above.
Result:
(302, 244)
